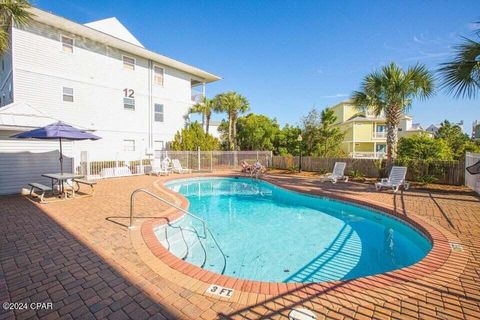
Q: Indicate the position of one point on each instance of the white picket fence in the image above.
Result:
(198, 161)
(472, 180)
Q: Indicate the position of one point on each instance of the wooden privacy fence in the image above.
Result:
(444, 172)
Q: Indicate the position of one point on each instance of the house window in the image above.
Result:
(128, 145)
(128, 103)
(67, 94)
(67, 44)
(158, 112)
(158, 73)
(381, 148)
(128, 63)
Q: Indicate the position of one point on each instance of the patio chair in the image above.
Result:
(159, 169)
(257, 169)
(177, 167)
(338, 172)
(246, 167)
(395, 180)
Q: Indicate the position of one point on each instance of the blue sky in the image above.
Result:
(288, 56)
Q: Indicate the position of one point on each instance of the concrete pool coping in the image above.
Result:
(440, 265)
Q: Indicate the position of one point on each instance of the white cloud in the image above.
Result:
(338, 95)
(417, 40)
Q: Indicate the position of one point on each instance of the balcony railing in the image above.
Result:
(379, 134)
(368, 155)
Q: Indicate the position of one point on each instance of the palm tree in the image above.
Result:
(12, 10)
(461, 76)
(205, 107)
(391, 91)
(233, 104)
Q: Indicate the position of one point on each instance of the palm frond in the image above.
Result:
(421, 81)
(461, 76)
(16, 10)
(3, 41)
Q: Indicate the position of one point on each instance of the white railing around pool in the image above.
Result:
(93, 168)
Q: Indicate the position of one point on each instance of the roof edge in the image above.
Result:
(60, 22)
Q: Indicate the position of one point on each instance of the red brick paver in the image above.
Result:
(81, 256)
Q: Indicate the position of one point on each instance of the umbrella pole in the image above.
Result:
(61, 168)
(61, 156)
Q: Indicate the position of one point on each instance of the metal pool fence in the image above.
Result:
(198, 161)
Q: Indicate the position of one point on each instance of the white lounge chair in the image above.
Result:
(159, 169)
(338, 172)
(177, 167)
(395, 180)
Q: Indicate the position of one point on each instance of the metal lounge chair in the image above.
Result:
(395, 180)
(338, 172)
(177, 167)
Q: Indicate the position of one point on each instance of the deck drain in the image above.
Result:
(301, 314)
(456, 247)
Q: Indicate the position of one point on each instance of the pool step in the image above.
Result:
(189, 243)
(182, 241)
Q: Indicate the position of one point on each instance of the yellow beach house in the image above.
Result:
(365, 133)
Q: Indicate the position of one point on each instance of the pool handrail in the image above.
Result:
(204, 223)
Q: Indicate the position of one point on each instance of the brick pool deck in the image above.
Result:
(81, 256)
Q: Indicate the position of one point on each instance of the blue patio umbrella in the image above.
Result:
(58, 130)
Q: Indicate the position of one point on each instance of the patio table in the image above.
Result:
(61, 178)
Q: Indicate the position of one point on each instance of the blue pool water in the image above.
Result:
(271, 234)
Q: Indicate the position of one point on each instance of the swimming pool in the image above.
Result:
(268, 233)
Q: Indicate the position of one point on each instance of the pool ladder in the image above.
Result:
(206, 230)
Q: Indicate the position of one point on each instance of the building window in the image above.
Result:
(158, 112)
(128, 103)
(128, 145)
(128, 63)
(158, 73)
(3, 65)
(67, 94)
(381, 148)
(67, 44)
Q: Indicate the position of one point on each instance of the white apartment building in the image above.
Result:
(96, 76)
